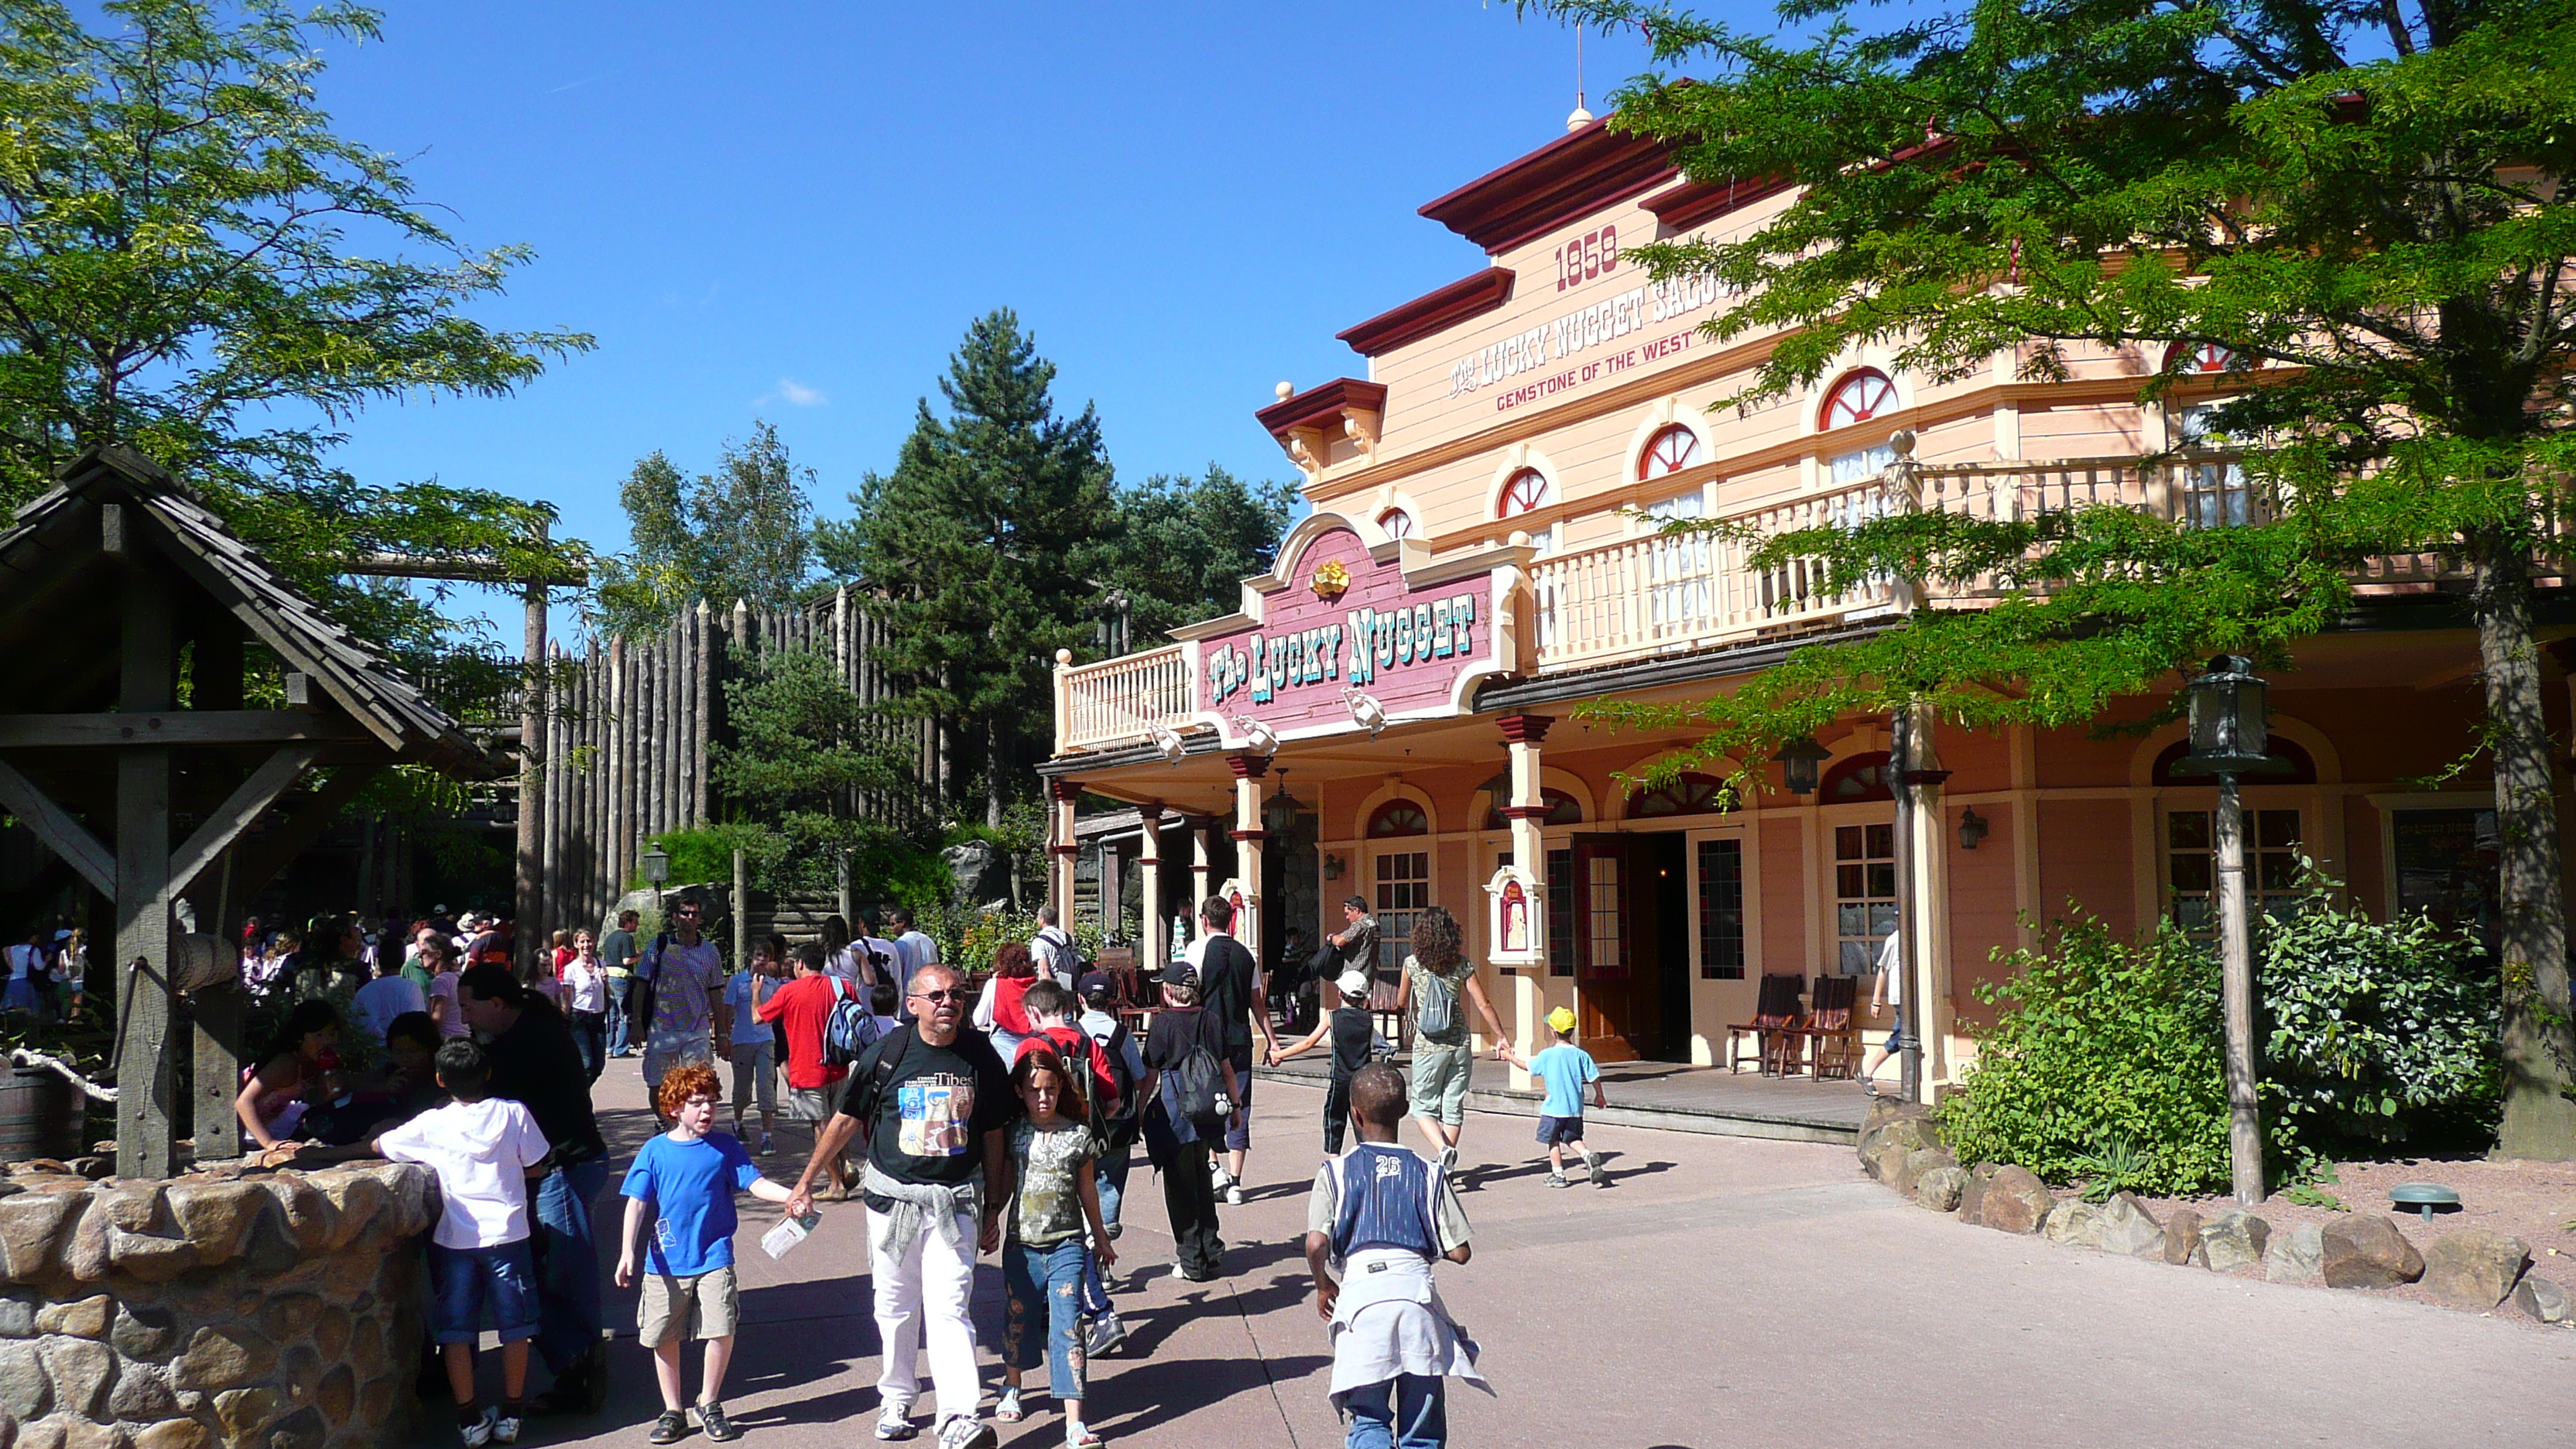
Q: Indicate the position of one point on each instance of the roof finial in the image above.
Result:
(1581, 117)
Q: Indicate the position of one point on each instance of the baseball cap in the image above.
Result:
(1354, 983)
(1562, 1018)
(1096, 987)
(1181, 973)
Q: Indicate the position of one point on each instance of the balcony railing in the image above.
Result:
(1118, 700)
(1654, 595)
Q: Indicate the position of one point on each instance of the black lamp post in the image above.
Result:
(1798, 759)
(2228, 736)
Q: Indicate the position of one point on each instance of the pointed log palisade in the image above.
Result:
(146, 773)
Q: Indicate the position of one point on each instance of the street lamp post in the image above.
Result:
(655, 862)
(2228, 736)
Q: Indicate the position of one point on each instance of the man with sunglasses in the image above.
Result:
(934, 1104)
(683, 978)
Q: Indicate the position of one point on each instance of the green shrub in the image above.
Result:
(2373, 1033)
(800, 854)
(2102, 1041)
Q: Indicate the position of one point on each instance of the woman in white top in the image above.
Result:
(585, 1001)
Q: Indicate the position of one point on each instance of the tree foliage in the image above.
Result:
(977, 541)
(1183, 546)
(193, 263)
(802, 740)
(2356, 209)
(742, 533)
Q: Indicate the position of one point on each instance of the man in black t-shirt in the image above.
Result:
(935, 1105)
(1230, 990)
(535, 1064)
(1189, 1198)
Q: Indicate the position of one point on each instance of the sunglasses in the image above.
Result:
(957, 994)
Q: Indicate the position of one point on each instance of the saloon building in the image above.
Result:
(1394, 710)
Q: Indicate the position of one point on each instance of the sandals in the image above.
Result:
(1084, 1438)
(1008, 1410)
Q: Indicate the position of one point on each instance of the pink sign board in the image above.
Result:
(1405, 647)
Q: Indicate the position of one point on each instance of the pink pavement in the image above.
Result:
(1725, 1290)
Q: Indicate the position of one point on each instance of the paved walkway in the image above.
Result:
(1725, 1290)
(1674, 1097)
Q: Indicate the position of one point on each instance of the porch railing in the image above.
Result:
(1122, 699)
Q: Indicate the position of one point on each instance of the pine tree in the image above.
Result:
(2361, 209)
(1185, 545)
(976, 541)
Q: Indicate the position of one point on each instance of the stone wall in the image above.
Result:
(280, 1310)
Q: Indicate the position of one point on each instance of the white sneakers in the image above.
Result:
(894, 1421)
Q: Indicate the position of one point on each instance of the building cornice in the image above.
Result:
(1432, 312)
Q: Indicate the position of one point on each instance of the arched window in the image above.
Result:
(1858, 398)
(1562, 808)
(1692, 794)
(1668, 451)
(2302, 766)
(1396, 522)
(1860, 778)
(2202, 357)
(1523, 491)
(1398, 817)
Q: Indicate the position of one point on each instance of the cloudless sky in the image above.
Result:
(791, 211)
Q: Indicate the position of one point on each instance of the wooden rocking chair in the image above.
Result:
(1775, 1017)
(1829, 1027)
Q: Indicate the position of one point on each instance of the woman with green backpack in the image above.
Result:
(1438, 981)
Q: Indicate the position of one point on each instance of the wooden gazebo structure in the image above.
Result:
(125, 610)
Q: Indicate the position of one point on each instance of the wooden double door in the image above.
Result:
(1632, 945)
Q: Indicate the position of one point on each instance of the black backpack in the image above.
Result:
(1197, 1083)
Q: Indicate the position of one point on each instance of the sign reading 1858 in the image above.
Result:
(1359, 648)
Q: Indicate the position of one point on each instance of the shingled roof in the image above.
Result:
(55, 536)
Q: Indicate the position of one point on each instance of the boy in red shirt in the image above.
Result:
(1051, 1016)
(803, 1007)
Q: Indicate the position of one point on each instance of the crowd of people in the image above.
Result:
(966, 1118)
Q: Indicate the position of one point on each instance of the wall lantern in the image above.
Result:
(1798, 759)
(2227, 728)
(1972, 828)
(1332, 867)
(656, 865)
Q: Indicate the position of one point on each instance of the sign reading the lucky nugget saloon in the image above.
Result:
(1346, 620)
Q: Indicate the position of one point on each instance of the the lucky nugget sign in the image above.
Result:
(1343, 620)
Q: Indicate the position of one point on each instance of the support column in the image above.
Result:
(1923, 898)
(1062, 849)
(147, 1091)
(1113, 891)
(1200, 867)
(527, 897)
(1248, 841)
(1527, 1009)
(1156, 948)
(215, 682)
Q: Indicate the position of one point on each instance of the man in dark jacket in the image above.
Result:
(535, 1063)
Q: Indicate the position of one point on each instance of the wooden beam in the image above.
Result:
(256, 864)
(245, 805)
(147, 1096)
(58, 830)
(470, 569)
(157, 729)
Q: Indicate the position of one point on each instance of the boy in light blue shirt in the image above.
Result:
(1564, 1070)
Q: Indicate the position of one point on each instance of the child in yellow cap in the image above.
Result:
(1564, 1070)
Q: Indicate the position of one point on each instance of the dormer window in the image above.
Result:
(1523, 492)
(1859, 397)
(1668, 451)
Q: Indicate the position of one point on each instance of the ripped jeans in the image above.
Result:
(1045, 1286)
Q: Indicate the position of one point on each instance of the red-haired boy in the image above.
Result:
(688, 1177)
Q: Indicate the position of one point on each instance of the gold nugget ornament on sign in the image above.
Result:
(1331, 581)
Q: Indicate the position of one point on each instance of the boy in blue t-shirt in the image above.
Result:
(688, 1176)
(1564, 1069)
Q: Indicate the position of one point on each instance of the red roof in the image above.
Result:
(1569, 176)
(1431, 312)
(1318, 403)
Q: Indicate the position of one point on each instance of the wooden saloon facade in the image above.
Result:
(131, 750)
(1481, 561)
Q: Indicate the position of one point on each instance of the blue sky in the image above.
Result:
(793, 212)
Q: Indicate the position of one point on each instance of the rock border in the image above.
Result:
(2474, 1268)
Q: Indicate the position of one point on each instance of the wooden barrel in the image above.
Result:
(40, 1115)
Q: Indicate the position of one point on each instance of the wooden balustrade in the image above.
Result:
(1123, 699)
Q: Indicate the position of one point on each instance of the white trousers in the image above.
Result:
(925, 1293)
